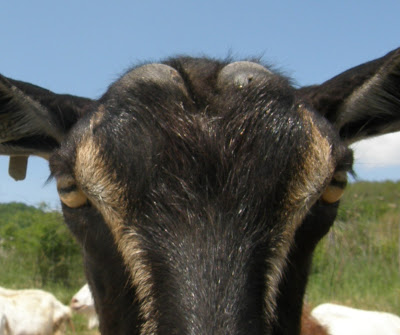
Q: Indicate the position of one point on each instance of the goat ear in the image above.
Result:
(33, 121)
(363, 101)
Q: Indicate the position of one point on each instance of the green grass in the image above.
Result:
(357, 263)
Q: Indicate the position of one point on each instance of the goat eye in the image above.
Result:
(335, 189)
(70, 194)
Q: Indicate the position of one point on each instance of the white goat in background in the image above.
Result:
(32, 312)
(342, 320)
(82, 302)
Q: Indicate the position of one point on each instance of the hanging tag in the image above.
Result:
(17, 167)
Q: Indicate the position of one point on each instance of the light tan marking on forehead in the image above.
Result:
(318, 166)
(97, 117)
(96, 179)
(315, 173)
(100, 183)
(304, 189)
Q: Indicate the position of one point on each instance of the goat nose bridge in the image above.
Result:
(241, 74)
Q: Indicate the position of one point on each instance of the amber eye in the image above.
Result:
(70, 194)
(335, 189)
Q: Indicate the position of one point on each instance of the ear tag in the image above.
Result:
(17, 167)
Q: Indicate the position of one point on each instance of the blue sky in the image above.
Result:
(80, 47)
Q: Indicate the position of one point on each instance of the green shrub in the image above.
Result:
(40, 242)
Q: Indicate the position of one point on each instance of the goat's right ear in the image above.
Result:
(363, 101)
(33, 121)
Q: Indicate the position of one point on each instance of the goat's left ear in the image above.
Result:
(33, 121)
(363, 101)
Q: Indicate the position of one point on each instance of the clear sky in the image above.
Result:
(80, 47)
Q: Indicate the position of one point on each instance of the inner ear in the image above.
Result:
(34, 121)
(363, 101)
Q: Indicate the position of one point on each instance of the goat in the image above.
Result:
(342, 320)
(4, 327)
(82, 302)
(33, 312)
(197, 188)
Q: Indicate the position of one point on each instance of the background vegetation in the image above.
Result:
(357, 263)
(38, 251)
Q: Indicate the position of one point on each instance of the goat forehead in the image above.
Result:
(248, 140)
(251, 126)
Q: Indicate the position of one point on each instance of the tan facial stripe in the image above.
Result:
(135, 257)
(276, 265)
(303, 190)
(97, 118)
(317, 169)
(100, 183)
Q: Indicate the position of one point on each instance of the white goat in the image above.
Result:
(82, 302)
(33, 312)
(4, 328)
(342, 320)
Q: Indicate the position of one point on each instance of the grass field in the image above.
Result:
(356, 264)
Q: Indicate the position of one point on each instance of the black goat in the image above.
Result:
(199, 189)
